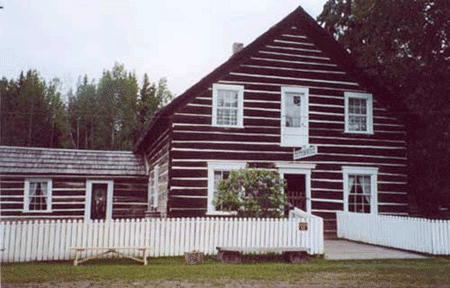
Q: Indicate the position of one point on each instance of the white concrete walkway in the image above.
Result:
(349, 250)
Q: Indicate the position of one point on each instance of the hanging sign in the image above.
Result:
(305, 151)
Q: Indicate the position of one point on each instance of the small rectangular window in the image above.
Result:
(227, 105)
(359, 194)
(358, 113)
(38, 195)
(360, 189)
(218, 171)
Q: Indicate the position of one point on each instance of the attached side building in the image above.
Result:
(42, 183)
(291, 101)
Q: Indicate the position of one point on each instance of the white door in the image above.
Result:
(99, 200)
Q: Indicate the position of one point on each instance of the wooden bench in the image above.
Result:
(235, 254)
(79, 250)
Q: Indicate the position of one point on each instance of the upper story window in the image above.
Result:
(228, 105)
(358, 113)
(294, 116)
(38, 195)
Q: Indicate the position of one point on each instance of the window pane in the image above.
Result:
(227, 116)
(293, 110)
(359, 193)
(219, 175)
(227, 107)
(227, 98)
(357, 110)
(38, 196)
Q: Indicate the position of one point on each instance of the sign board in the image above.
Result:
(305, 151)
(303, 226)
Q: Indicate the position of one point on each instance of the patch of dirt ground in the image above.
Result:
(310, 280)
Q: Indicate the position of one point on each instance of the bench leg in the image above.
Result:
(145, 256)
(232, 257)
(296, 257)
(75, 262)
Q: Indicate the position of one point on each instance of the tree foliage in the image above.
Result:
(405, 45)
(111, 114)
(32, 112)
(152, 98)
(252, 193)
(105, 115)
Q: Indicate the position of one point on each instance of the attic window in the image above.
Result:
(227, 105)
(38, 195)
(358, 113)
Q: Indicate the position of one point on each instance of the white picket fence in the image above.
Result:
(414, 234)
(51, 240)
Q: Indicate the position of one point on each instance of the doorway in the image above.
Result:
(298, 180)
(99, 200)
(295, 191)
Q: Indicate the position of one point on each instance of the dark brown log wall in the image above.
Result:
(69, 196)
(290, 59)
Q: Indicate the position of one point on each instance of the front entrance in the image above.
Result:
(298, 184)
(99, 200)
(296, 190)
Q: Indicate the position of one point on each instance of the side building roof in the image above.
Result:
(25, 160)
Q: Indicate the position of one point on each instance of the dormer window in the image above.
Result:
(358, 113)
(227, 105)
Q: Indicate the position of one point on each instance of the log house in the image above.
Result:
(294, 101)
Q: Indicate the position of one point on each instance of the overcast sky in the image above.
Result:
(182, 40)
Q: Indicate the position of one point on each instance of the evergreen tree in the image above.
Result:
(152, 98)
(32, 112)
(404, 45)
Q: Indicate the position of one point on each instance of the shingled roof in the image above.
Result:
(26, 160)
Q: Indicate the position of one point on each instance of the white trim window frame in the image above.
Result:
(109, 198)
(228, 106)
(155, 186)
(30, 189)
(213, 169)
(358, 113)
(354, 176)
(294, 116)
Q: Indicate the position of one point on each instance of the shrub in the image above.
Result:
(252, 193)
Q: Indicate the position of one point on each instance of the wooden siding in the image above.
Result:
(291, 59)
(69, 196)
(158, 154)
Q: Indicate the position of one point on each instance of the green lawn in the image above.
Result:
(251, 273)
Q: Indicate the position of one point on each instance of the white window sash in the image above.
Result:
(30, 189)
(156, 186)
(368, 115)
(230, 109)
(218, 166)
(355, 170)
